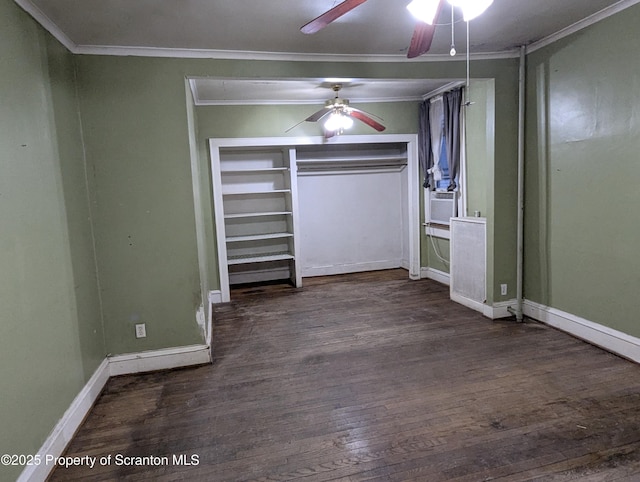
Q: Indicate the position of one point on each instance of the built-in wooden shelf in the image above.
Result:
(259, 170)
(255, 258)
(256, 215)
(249, 193)
(258, 237)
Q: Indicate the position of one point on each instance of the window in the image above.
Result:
(443, 183)
(440, 138)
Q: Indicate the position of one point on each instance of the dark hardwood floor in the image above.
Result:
(371, 377)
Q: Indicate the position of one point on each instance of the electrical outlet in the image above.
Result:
(141, 330)
(503, 290)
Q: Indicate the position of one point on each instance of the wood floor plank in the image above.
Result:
(372, 376)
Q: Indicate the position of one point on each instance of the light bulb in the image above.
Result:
(332, 123)
(453, 52)
(338, 122)
(424, 10)
(471, 8)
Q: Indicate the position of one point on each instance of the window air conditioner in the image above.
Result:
(442, 207)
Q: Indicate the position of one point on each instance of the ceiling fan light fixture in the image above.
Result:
(424, 10)
(338, 122)
(471, 8)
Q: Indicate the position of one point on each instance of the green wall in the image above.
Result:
(430, 257)
(273, 120)
(480, 145)
(135, 127)
(583, 173)
(51, 336)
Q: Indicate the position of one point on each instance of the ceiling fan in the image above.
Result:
(339, 115)
(426, 11)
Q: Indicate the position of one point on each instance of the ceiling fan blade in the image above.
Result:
(294, 126)
(366, 113)
(329, 16)
(423, 36)
(362, 117)
(315, 117)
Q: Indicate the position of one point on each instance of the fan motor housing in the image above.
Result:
(337, 102)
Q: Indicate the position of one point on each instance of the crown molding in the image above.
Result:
(278, 56)
(445, 88)
(47, 24)
(352, 100)
(314, 99)
(582, 24)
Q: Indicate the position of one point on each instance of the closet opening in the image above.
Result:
(286, 209)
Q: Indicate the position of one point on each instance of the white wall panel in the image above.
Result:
(352, 221)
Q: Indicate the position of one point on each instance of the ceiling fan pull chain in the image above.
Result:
(468, 62)
(452, 52)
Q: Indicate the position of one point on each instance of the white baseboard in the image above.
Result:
(63, 432)
(210, 321)
(163, 359)
(469, 303)
(500, 309)
(436, 275)
(215, 296)
(494, 312)
(350, 268)
(611, 340)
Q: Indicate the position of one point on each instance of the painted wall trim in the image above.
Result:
(118, 50)
(469, 303)
(65, 429)
(435, 275)
(611, 340)
(582, 24)
(163, 359)
(215, 297)
(500, 309)
(493, 312)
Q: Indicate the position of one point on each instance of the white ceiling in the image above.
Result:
(378, 30)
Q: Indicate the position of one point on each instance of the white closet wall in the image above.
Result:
(352, 205)
(350, 222)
